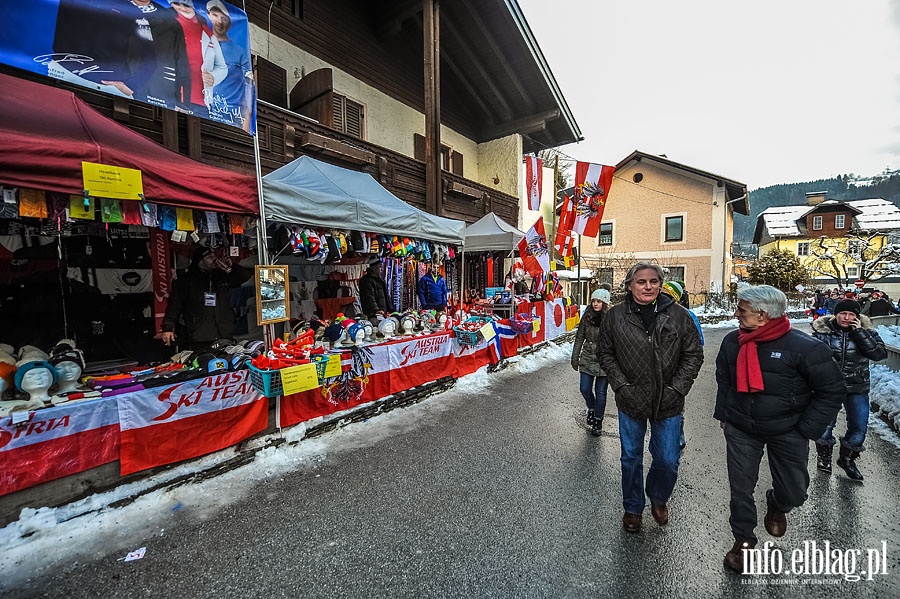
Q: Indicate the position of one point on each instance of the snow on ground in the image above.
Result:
(47, 538)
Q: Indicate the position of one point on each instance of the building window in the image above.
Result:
(838, 221)
(605, 275)
(852, 272)
(803, 248)
(606, 234)
(349, 116)
(817, 223)
(451, 160)
(294, 6)
(854, 248)
(674, 228)
(674, 273)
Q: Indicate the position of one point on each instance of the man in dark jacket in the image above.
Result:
(853, 342)
(650, 350)
(202, 298)
(777, 389)
(432, 290)
(373, 292)
(877, 305)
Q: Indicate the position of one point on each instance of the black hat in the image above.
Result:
(200, 253)
(847, 305)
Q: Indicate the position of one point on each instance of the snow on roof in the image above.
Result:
(782, 220)
(877, 214)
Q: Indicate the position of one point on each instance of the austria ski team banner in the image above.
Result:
(58, 441)
(592, 183)
(186, 420)
(191, 56)
(534, 178)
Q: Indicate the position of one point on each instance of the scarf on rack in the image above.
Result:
(749, 374)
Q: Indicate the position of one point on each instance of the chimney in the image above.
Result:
(814, 198)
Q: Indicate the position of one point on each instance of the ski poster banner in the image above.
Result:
(58, 441)
(192, 56)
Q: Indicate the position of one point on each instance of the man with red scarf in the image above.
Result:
(777, 389)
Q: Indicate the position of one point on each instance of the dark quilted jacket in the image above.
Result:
(650, 374)
(852, 349)
(584, 351)
(803, 387)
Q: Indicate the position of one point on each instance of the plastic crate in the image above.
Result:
(267, 382)
(471, 337)
(521, 327)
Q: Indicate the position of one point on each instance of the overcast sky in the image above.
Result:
(762, 92)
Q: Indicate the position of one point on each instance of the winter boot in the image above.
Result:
(590, 418)
(847, 461)
(825, 452)
(596, 426)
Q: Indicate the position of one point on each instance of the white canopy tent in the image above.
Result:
(491, 233)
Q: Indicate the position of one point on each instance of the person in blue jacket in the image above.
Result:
(432, 290)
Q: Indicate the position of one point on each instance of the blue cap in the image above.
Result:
(21, 370)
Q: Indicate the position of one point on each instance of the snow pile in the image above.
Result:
(885, 391)
(890, 334)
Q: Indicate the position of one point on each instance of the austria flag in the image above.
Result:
(533, 250)
(592, 183)
(564, 230)
(533, 181)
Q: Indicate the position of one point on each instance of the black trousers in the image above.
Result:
(788, 455)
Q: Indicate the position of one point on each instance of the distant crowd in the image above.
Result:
(876, 303)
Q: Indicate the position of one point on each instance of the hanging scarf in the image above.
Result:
(749, 375)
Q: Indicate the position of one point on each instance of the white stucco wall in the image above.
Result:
(391, 123)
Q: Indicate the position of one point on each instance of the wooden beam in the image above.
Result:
(528, 124)
(170, 129)
(195, 149)
(431, 48)
(313, 142)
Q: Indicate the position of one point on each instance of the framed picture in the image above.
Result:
(272, 294)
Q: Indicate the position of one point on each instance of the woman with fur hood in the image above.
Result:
(853, 342)
(593, 384)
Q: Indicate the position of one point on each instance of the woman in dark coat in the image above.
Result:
(853, 342)
(373, 292)
(585, 360)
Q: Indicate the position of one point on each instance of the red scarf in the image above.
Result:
(749, 375)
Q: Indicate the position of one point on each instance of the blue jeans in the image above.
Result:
(664, 440)
(857, 408)
(593, 390)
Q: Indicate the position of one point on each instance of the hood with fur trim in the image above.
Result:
(828, 324)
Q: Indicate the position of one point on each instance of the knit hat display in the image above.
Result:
(602, 295)
(847, 305)
(24, 367)
(65, 351)
(8, 372)
(674, 288)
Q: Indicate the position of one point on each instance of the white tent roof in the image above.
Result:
(490, 233)
(310, 192)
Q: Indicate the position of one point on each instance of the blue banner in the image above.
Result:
(192, 56)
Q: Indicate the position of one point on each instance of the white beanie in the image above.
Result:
(602, 295)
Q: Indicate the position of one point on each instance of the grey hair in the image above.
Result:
(641, 266)
(764, 298)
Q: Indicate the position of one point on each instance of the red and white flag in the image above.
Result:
(592, 182)
(564, 229)
(533, 181)
(533, 249)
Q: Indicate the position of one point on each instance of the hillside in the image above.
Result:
(843, 187)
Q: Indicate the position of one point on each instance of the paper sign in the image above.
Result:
(184, 219)
(234, 251)
(20, 416)
(298, 379)
(115, 182)
(9, 195)
(77, 209)
(333, 368)
(136, 554)
(537, 324)
(488, 331)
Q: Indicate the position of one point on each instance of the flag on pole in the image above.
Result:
(592, 183)
(533, 250)
(564, 229)
(533, 181)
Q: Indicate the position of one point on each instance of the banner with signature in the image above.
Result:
(189, 55)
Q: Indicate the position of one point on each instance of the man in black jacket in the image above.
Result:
(777, 389)
(202, 298)
(853, 341)
(373, 292)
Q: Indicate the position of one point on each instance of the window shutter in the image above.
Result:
(419, 147)
(337, 104)
(456, 163)
(353, 118)
(271, 82)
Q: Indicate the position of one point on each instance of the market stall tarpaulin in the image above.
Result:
(171, 424)
(159, 54)
(58, 441)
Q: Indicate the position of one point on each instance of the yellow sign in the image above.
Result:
(114, 182)
(333, 368)
(298, 379)
(488, 331)
(537, 324)
(77, 209)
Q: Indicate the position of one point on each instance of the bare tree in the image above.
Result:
(548, 157)
(873, 255)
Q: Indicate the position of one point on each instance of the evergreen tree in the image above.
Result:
(778, 268)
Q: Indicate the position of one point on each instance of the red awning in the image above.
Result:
(46, 132)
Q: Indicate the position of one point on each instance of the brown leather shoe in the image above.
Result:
(631, 522)
(776, 522)
(734, 559)
(660, 513)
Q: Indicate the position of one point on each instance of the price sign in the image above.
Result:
(297, 379)
(333, 368)
(487, 331)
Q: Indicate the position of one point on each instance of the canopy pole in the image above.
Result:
(462, 280)
(262, 243)
(579, 269)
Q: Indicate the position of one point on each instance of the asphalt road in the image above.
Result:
(492, 492)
